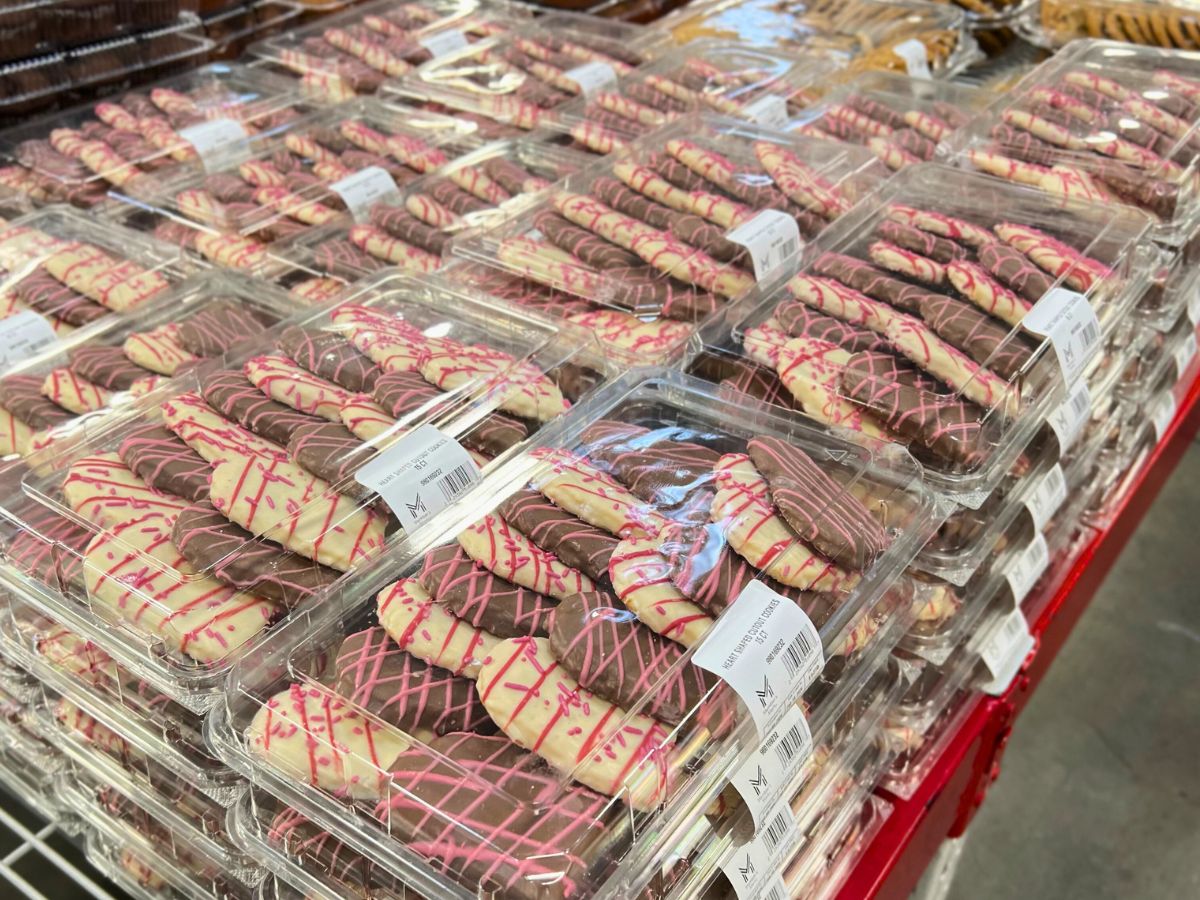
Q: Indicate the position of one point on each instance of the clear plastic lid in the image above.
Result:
(927, 350)
(866, 34)
(165, 733)
(58, 395)
(604, 559)
(688, 220)
(232, 492)
(76, 155)
(725, 78)
(416, 228)
(901, 119)
(356, 52)
(1107, 123)
(232, 28)
(330, 167)
(522, 78)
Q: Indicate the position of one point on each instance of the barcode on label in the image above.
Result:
(1068, 419)
(773, 239)
(793, 741)
(777, 892)
(1068, 320)
(456, 481)
(1185, 354)
(1080, 402)
(1091, 332)
(770, 771)
(777, 829)
(797, 653)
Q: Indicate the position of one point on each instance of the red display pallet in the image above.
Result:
(943, 805)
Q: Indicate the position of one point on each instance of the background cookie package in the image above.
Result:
(144, 483)
(901, 119)
(77, 155)
(1109, 122)
(720, 77)
(865, 34)
(355, 53)
(522, 77)
(642, 238)
(415, 228)
(639, 423)
(1165, 25)
(59, 394)
(866, 292)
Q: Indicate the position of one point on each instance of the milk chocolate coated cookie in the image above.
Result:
(332, 452)
(978, 335)
(615, 656)
(106, 366)
(822, 512)
(166, 463)
(22, 396)
(373, 672)
(211, 543)
(219, 326)
(231, 394)
(1016, 270)
(331, 357)
(574, 541)
(482, 598)
(45, 293)
(510, 823)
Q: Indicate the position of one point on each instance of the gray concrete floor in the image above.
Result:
(1099, 792)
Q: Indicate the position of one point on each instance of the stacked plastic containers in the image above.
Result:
(865, 34)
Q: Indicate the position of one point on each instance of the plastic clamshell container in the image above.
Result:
(720, 77)
(181, 627)
(1111, 123)
(354, 53)
(417, 229)
(838, 773)
(634, 253)
(122, 358)
(286, 188)
(167, 736)
(666, 413)
(79, 153)
(233, 28)
(524, 77)
(1099, 251)
(862, 33)
(901, 119)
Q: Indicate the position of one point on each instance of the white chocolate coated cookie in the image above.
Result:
(72, 393)
(431, 632)
(641, 576)
(103, 490)
(520, 387)
(577, 486)
(365, 418)
(506, 552)
(212, 435)
(157, 350)
(287, 383)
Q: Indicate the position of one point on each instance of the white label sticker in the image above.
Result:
(769, 110)
(1046, 497)
(916, 61)
(1193, 307)
(22, 335)
(1162, 414)
(443, 43)
(1185, 353)
(1067, 319)
(763, 777)
(1068, 420)
(593, 77)
(419, 475)
(1004, 649)
(754, 868)
(364, 189)
(767, 649)
(1027, 567)
(220, 143)
(773, 239)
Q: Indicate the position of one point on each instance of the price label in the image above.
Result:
(773, 766)
(1068, 420)
(1193, 307)
(443, 43)
(1046, 497)
(1027, 567)
(593, 77)
(419, 475)
(769, 110)
(773, 239)
(767, 650)
(1004, 649)
(754, 868)
(364, 189)
(1185, 353)
(220, 143)
(1067, 319)
(22, 335)
(916, 60)
(1162, 414)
